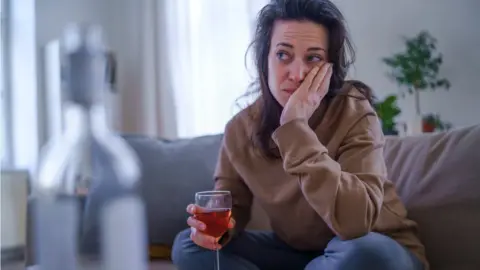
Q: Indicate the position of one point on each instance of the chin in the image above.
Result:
(281, 102)
(280, 98)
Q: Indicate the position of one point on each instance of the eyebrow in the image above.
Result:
(291, 46)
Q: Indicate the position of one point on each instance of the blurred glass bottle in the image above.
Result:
(87, 154)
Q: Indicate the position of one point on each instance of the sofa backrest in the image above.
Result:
(437, 176)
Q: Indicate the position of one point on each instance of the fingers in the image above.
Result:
(203, 240)
(319, 80)
(191, 209)
(323, 87)
(195, 223)
(196, 234)
(307, 83)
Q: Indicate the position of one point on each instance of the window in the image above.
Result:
(207, 50)
(20, 103)
(5, 131)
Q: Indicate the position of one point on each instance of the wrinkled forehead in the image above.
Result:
(300, 34)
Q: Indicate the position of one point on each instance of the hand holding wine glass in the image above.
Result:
(210, 220)
(198, 234)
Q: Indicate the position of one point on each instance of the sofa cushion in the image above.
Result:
(438, 178)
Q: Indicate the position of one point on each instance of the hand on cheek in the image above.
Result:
(309, 95)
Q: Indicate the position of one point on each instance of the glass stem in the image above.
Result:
(217, 261)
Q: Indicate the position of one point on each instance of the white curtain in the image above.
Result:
(206, 41)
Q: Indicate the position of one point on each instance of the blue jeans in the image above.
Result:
(254, 250)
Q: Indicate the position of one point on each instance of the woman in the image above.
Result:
(310, 151)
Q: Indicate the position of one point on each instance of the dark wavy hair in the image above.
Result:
(340, 53)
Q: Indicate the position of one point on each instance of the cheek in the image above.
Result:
(275, 76)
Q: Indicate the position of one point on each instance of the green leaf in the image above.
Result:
(417, 67)
(387, 110)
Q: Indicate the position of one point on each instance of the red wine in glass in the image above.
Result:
(216, 221)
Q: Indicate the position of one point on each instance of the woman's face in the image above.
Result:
(296, 47)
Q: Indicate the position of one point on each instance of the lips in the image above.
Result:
(289, 90)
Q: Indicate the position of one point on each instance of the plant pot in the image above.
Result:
(415, 125)
(428, 127)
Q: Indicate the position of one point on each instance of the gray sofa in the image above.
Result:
(437, 177)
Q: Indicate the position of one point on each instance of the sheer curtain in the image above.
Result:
(207, 42)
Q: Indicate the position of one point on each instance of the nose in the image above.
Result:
(297, 71)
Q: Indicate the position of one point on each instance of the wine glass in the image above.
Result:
(216, 209)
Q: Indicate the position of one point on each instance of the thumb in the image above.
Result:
(231, 224)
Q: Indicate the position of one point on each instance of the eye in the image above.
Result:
(282, 55)
(314, 58)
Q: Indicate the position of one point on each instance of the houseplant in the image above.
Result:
(432, 122)
(387, 110)
(417, 68)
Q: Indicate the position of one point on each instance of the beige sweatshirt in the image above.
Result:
(331, 180)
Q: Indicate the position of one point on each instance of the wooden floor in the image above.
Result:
(157, 265)
(13, 266)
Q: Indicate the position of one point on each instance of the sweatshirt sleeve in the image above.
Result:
(347, 192)
(227, 178)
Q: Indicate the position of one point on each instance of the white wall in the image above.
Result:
(377, 26)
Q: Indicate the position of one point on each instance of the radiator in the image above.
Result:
(14, 193)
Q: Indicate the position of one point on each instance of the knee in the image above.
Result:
(373, 251)
(186, 254)
(373, 244)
